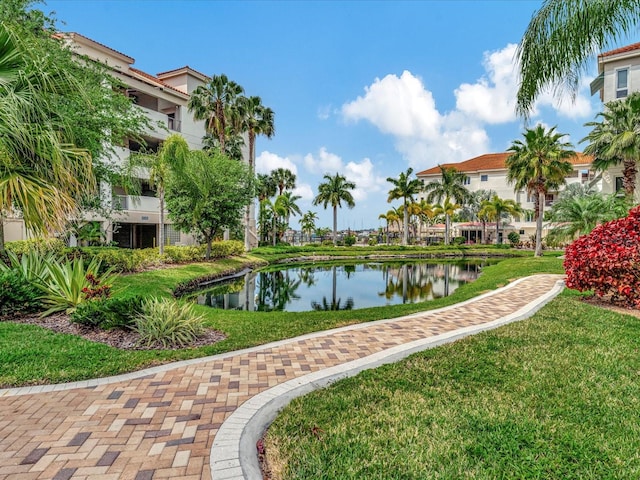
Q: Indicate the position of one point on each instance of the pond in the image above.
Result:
(341, 287)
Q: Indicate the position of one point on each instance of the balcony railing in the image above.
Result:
(174, 124)
(136, 203)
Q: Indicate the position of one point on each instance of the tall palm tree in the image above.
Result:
(170, 158)
(450, 188)
(308, 223)
(216, 103)
(615, 139)
(254, 119)
(471, 208)
(42, 174)
(390, 217)
(333, 192)
(286, 205)
(447, 209)
(425, 214)
(284, 179)
(414, 210)
(404, 188)
(265, 188)
(538, 164)
(561, 39)
(497, 208)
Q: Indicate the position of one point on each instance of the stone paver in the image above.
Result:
(163, 424)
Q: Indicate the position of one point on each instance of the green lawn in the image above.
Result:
(554, 397)
(32, 355)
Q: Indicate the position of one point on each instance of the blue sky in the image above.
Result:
(365, 88)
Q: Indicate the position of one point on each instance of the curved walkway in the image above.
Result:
(201, 417)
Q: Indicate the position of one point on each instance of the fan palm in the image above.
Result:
(333, 192)
(615, 139)
(216, 103)
(449, 188)
(563, 36)
(284, 179)
(308, 222)
(538, 164)
(42, 174)
(496, 209)
(404, 188)
(287, 206)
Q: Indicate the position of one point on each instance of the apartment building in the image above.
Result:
(163, 98)
(489, 172)
(618, 76)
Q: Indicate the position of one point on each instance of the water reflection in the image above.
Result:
(341, 287)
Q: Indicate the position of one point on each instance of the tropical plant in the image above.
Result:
(286, 206)
(449, 190)
(171, 157)
(615, 139)
(308, 223)
(447, 209)
(216, 103)
(538, 164)
(284, 179)
(17, 294)
(31, 265)
(389, 217)
(67, 284)
(572, 216)
(90, 233)
(118, 312)
(496, 209)
(167, 323)
(561, 39)
(333, 192)
(406, 189)
(208, 195)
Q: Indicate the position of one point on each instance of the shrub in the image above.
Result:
(607, 260)
(40, 245)
(327, 243)
(69, 283)
(109, 313)
(514, 238)
(17, 294)
(226, 248)
(167, 323)
(31, 265)
(373, 241)
(184, 254)
(116, 259)
(458, 241)
(349, 240)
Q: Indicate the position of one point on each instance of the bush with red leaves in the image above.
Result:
(607, 260)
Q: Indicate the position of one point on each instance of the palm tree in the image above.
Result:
(425, 214)
(390, 217)
(496, 209)
(335, 191)
(414, 210)
(562, 37)
(216, 104)
(171, 157)
(405, 189)
(539, 164)
(255, 119)
(284, 179)
(449, 188)
(42, 174)
(616, 139)
(286, 205)
(447, 209)
(308, 223)
(470, 210)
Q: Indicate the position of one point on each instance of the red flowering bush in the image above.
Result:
(607, 260)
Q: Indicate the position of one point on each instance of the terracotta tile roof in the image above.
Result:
(154, 79)
(625, 49)
(76, 34)
(493, 161)
(186, 67)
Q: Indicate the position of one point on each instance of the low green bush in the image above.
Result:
(184, 254)
(327, 243)
(458, 240)
(17, 294)
(119, 312)
(349, 240)
(41, 245)
(514, 238)
(372, 241)
(167, 323)
(227, 248)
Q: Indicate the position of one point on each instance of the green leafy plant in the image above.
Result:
(17, 294)
(109, 313)
(31, 265)
(167, 323)
(68, 284)
(514, 238)
(349, 240)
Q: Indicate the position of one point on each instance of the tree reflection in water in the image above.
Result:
(342, 287)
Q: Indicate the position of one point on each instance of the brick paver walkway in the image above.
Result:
(163, 425)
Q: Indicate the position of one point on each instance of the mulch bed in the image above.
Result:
(118, 338)
(604, 302)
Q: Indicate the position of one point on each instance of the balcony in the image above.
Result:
(136, 203)
(167, 121)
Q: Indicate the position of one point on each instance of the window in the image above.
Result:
(619, 185)
(171, 235)
(467, 180)
(521, 232)
(484, 178)
(622, 82)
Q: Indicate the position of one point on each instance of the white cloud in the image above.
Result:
(305, 191)
(325, 162)
(324, 112)
(267, 161)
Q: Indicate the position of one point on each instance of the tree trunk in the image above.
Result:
(484, 232)
(247, 216)
(446, 229)
(335, 225)
(498, 232)
(405, 226)
(2, 246)
(161, 226)
(538, 252)
(207, 255)
(629, 173)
